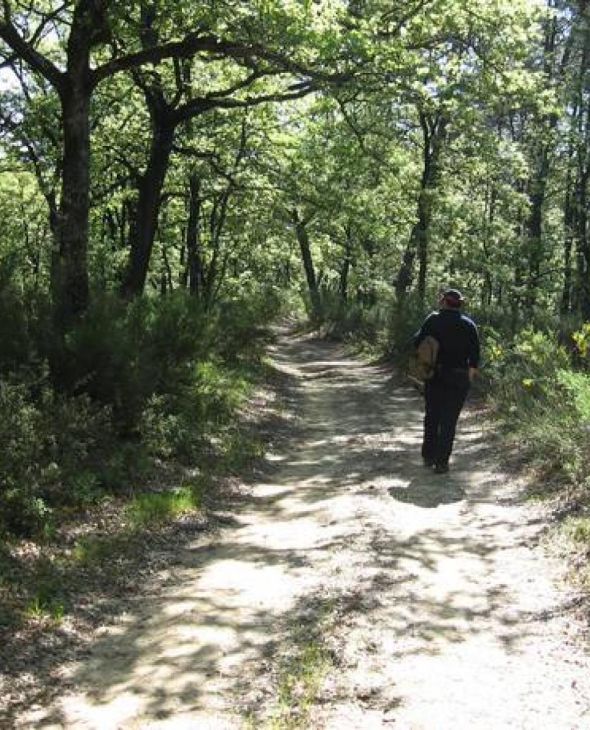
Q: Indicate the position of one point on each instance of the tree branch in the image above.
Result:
(248, 81)
(197, 43)
(401, 22)
(46, 19)
(28, 53)
(8, 61)
(200, 106)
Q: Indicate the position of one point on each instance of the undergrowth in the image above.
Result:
(161, 379)
(542, 403)
(145, 391)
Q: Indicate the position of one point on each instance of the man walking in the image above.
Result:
(456, 365)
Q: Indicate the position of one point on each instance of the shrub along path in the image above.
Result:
(353, 589)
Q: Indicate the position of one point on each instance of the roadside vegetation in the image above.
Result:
(151, 417)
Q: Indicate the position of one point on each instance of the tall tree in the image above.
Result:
(91, 29)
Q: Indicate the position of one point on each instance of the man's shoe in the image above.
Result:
(428, 463)
(441, 468)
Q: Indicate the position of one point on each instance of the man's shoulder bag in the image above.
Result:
(422, 366)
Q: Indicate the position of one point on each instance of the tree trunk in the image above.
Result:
(488, 285)
(346, 264)
(145, 223)
(535, 224)
(308, 266)
(516, 306)
(434, 134)
(568, 242)
(343, 284)
(421, 234)
(583, 248)
(404, 276)
(417, 245)
(538, 184)
(217, 218)
(582, 293)
(167, 273)
(69, 265)
(193, 245)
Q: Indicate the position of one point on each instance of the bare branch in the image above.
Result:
(180, 84)
(8, 61)
(47, 18)
(244, 83)
(23, 49)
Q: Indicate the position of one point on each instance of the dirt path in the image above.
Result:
(429, 599)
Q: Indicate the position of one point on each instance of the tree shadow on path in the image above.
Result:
(331, 520)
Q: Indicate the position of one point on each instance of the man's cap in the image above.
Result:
(453, 296)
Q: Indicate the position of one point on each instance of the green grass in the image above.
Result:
(144, 511)
(299, 687)
(47, 601)
(578, 530)
(94, 550)
(238, 450)
(154, 508)
(301, 672)
(39, 608)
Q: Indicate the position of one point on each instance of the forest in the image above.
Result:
(176, 177)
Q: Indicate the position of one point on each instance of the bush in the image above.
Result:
(523, 373)
(179, 424)
(124, 356)
(22, 508)
(50, 449)
(542, 400)
(161, 377)
(581, 341)
(354, 320)
(381, 325)
(240, 326)
(576, 387)
(121, 355)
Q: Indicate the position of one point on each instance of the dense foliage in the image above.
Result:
(171, 173)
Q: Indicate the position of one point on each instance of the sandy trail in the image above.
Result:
(446, 612)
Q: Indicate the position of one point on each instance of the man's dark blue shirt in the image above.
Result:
(457, 336)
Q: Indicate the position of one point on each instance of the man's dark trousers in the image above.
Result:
(445, 396)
